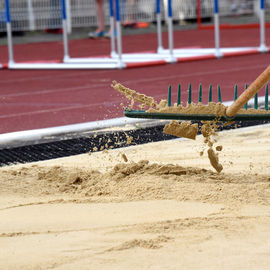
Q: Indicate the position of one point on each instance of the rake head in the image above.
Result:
(200, 112)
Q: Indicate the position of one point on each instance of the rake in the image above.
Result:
(237, 111)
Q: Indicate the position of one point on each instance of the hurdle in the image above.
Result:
(221, 52)
(216, 51)
(159, 56)
(112, 61)
(97, 64)
(122, 60)
(119, 60)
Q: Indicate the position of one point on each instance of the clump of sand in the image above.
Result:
(184, 129)
(217, 109)
(133, 96)
(208, 131)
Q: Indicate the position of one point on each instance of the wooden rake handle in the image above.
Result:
(249, 93)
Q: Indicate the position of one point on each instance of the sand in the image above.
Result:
(134, 96)
(155, 206)
(184, 129)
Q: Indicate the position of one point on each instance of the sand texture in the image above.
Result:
(184, 129)
(155, 206)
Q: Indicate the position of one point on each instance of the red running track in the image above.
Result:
(39, 99)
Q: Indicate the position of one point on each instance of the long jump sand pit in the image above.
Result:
(154, 206)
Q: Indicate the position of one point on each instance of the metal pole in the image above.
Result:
(159, 29)
(170, 31)
(217, 34)
(31, 15)
(9, 34)
(262, 47)
(69, 19)
(112, 30)
(65, 30)
(119, 34)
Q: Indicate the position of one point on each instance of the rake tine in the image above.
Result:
(266, 98)
(200, 93)
(170, 96)
(210, 93)
(246, 105)
(189, 94)
(235, 92)
(256, 101)
(219, 94)
(179, 95)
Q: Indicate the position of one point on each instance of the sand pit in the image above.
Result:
(154, 206)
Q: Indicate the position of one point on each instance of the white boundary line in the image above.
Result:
(38, 134)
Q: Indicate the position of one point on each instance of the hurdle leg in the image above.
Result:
(170, 32)
(69, 19)
(65, 31)
(112, 30)
(262, 47)
(159, 29)
(9, 34)
(218, 53)
(119, 35)
(31, 15)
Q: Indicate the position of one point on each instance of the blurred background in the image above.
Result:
(32, 15)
